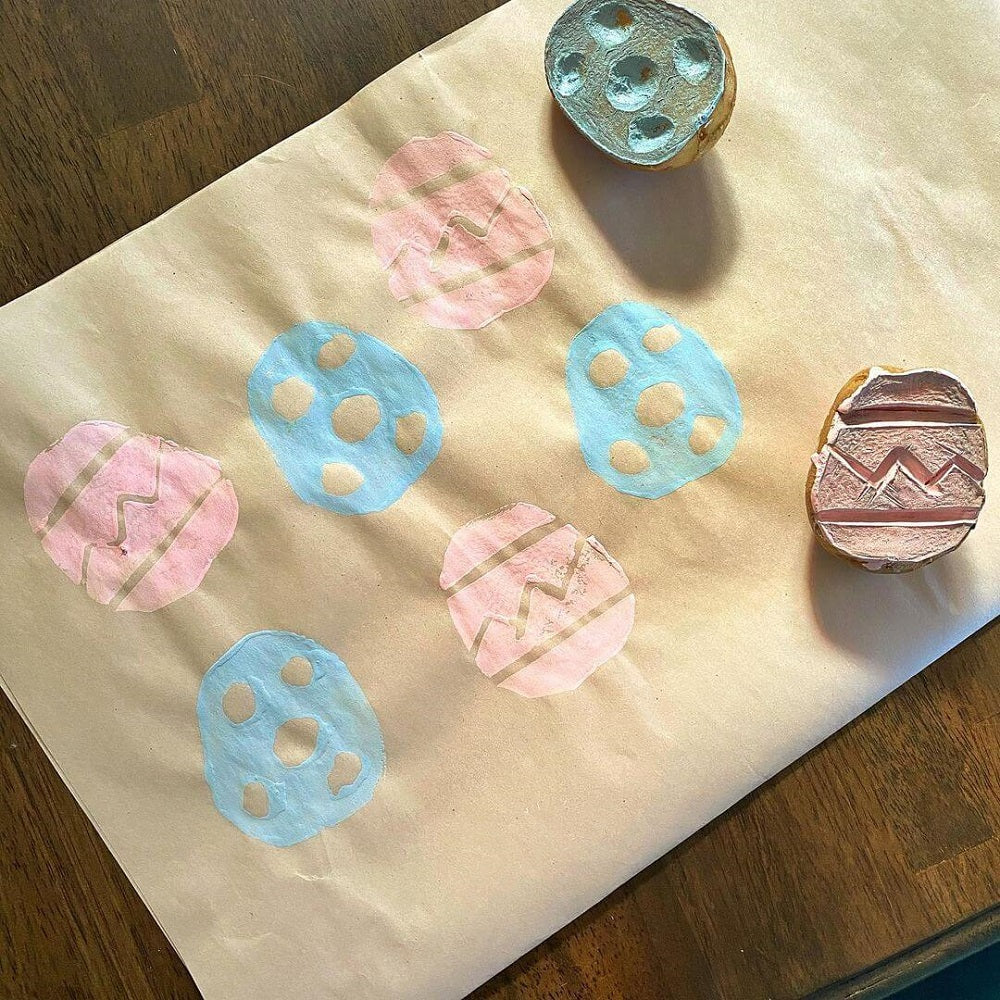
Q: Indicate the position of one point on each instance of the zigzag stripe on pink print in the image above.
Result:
(539, 606)
(134, 519)
(460, 242)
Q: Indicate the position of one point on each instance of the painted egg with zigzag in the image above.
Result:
(134, 519)
(897, 480)
(538, 605)
(460, 242)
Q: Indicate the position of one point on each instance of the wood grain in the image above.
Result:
(884, 837)
(120, 62)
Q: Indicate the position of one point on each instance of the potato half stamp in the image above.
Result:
(648, 82)
(897, 479)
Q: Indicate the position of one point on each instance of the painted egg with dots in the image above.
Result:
(291, 744)
(350, 422)
(654, 406)
(651, 84)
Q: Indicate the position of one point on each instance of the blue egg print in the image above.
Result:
(351, 423)
(291, 744)
(654, 407)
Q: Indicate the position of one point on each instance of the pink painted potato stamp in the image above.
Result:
(539, 606)
(134, 519)
(897, 480)
(461, 243)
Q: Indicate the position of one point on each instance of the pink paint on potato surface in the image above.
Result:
(462, 244)
(134, 519)
(539, 606)
(899, 479)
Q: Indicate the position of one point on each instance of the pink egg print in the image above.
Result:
(539, 606)
(462, 244)
(134, 519)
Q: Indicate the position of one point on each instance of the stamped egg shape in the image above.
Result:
(290, 742)
(350, 422)
(461, 243)
(539, 605)
(654, 406)
(133, 518)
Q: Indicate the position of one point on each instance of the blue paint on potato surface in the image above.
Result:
(639, 78)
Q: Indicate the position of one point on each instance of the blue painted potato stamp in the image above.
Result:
(654, 407)
(291, 744)
(350, 422)
(649, 83)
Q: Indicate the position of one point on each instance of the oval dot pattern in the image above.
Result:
(329, 402)
(639, 78)
(670, 414)
(269, 768)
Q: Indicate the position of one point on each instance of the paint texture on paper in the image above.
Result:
(136, 520)
(655, 408)
(291, 744)
(539, 606)
(350, 422)
(461, 243)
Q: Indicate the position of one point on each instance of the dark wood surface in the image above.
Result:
(884, 837)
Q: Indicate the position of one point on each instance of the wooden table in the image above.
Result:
(882, 840)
